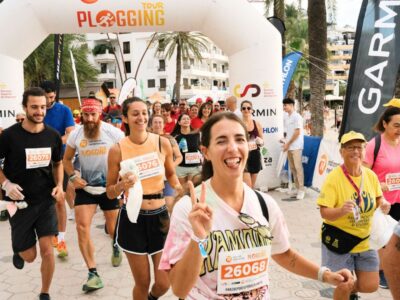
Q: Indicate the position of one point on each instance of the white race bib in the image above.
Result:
(192, 158)
(252, 145)
(37, 157)
(393, 181)
(243, 270)
(149, 165)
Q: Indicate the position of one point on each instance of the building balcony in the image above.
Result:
(340, 57)
(335, 47)
(106, 76)
(219, 57)
(104, 58)
(222, 75)
(162, 89)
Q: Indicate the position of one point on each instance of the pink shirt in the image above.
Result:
(226, 228)
(387, 162)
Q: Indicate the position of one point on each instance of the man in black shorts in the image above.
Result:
(33, 172)
(92, 142)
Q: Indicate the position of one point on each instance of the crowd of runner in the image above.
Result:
(160, 174)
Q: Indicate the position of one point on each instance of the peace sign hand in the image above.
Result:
(200, 217)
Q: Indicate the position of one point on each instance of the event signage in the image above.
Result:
(289, 65)
(374, 65)
(327, 159)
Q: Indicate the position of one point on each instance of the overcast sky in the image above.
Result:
(346, 11)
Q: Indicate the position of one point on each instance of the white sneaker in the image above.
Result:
(71, 215)
(292, 192)
(300, 195)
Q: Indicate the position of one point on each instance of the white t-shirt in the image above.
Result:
(291, 123)
(227, 233)
(93, 153)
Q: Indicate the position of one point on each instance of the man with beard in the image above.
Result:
(92, 142)
(59, 116)
(33, 172)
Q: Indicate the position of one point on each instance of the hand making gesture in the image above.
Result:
(200, 216)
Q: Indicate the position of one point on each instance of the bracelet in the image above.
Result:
(72, 177)
(201, 243)
(321, 272)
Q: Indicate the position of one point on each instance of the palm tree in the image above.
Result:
(185, 45)
(39, 64)
(317, 37)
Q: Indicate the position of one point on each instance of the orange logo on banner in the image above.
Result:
(105, 18)
(89, 1)
(322, 164)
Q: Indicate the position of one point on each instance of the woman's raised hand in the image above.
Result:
(200, 217)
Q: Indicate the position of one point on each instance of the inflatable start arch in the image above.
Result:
(251, 42)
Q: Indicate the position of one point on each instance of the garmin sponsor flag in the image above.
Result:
(289, 64)
(58, 51)
(374, 66)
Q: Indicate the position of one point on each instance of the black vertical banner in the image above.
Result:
(374, 66)
(58, 51)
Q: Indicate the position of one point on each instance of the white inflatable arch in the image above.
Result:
(251, 42)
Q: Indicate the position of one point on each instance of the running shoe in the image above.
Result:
(93, 283)
(71, 215)
(3, 215)
(18, 262)
(354, 297)
(116, 256)
(62, 249)
(382, 280)
(300, 195)
(54, 241)
(44, 296)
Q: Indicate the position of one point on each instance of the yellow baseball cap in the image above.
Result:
(76, 112)
(351, 136)
(393, 102)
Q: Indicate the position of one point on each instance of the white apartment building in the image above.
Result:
(340, 47)
(156, 73)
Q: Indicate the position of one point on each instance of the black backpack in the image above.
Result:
(264, 207)
(376, 148)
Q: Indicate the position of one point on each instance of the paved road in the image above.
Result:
(302, 217)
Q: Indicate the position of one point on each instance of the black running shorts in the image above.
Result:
(36, 220)
(84, 198)
(147, 236)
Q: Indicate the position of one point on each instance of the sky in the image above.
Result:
(346, 11)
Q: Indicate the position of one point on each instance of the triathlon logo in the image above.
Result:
(256, 90)
(323, 164)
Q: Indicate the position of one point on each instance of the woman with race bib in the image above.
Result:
(224, 232)
(189, 145)
(152, 156)
(382, 156)
(254, 130)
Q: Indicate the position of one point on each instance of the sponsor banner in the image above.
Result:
(58, 51)
(11, 89)
(328, 158)
(374, 65)
(289, 64)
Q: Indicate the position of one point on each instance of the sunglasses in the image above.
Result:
(19, 120)
(263, 230)
(112, 97)
(246, 108)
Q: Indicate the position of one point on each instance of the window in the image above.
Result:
(128, 67)
(223, 68)
(161, 45)
(161, 65)
(103, 68)
(215, 67)
(151, 83)
(126, 46)
(163, 84)
(109, 84)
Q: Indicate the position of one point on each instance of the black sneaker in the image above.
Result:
(354, 297)
(3, 215)
(18, 262)
(382, 280)
(44, 296)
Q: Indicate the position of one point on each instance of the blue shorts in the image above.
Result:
(367, 261)
(168, 190)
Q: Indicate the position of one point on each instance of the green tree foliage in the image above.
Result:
(185, 45)
(39, 65)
